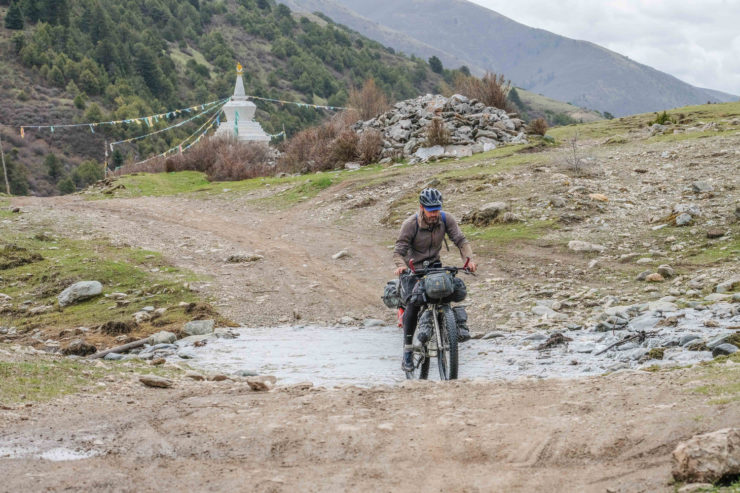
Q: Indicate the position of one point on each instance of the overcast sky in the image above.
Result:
(697, 41)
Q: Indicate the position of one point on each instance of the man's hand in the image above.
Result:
(472, 267)
(400, 270)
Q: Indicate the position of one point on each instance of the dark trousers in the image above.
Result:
(410, 318)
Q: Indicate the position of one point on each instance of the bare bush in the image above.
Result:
(370, 101)
(574, 160)
(491, 90)
(344, 147)
(322, 148)
(220, 158)
(370, 146)
(538, 127)
(437, 134)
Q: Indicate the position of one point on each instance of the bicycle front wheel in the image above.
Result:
(447, 351)
(421, 365)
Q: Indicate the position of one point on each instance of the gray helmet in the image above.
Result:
(431, 199)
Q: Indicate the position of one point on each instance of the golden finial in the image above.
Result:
(239, 69)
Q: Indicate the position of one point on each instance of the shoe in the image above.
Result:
(407, 363)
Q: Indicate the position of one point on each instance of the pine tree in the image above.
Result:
(435, 64)
(54, 167)
(14, 17)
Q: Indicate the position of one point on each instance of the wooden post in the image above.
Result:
(5, 170)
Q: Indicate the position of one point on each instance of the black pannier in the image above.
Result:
(392, 294)
(459, 293)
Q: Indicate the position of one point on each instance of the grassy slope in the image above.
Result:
(541, 104)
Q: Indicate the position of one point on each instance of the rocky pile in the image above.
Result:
(471, 127)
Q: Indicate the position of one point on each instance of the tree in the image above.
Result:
(93, 114)
(117, 159)
(14, 17)
(66, 186)
(87, 173)
(436, 65)
(53, 166)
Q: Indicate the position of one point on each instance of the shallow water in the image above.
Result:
(331, 356)
(56, 454)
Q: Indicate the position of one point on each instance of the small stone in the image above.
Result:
(346, 320)
(162, 337)
(598, 196)
(218, 378)
(199, 327)
(715, 233)
(79, 347)
(724, 350)
(702, 187)
(654, 277)
(261, 384)
(684, 219)
(583, 246)
(372, 322)
(728, 285)
(666, 271)
(243, 258)
(157, 361)
(155, 381)
(339, 255)
(352, 166)
(195, 376)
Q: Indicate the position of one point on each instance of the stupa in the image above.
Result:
(239, 115)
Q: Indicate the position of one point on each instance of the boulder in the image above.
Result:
(162, 337)
(724, 350)
(729, 285)
(199, 327)
(708, 457)
(426, 153)
(684, 219)
(583, 246)
(79, 347)
(654, 277)
(79, 291)
(486, 214)
(702, 187)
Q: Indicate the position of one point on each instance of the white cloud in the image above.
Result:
(698, 42)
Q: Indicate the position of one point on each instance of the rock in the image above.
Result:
(79, 291)
(261, 384)
(729, 285)
(141, 317)
(158, 362)
(246, 373)
(687, 339)
(719, 340)
(717, 297)
(708, 457)
(193, 375)
(654, 277)
(79, 347)
(162, 337)
(458, 151)
(155, 381)
(113, 356)
(372, 322)
(352, 166)
(186, 354)
(341, 254)
(492, 335)
(666, 271)
(684, 219)
(40, 310)
(628, 257)
(4, 298)
(724, 350)
(199, 327)
(715, 233)
(598, 196)
(582, 246)
(426, 153)
(486, 214)
(662, 306)
(244, 257)
(702, 187)
(346, 320)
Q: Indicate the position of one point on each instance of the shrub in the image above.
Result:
(344, 146)
(491, 90)
(661, 119)
(370, 146)
(369, 101)
(437, 134)
(538, 127)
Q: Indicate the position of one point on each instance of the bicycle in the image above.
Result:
(445, 330)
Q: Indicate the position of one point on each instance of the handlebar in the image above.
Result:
(429, 270)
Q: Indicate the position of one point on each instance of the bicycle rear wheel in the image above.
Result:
(447, 351)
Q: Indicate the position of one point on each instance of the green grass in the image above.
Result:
(688, 115)
(46, 378)
(722, 382)
(142, 274)
(503, 234)
(4, 206)
(719, 251)
(542, 103)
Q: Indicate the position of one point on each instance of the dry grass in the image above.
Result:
(370, 146)
(437, 134)
(491, 90)
(538, 127)
(370, 101)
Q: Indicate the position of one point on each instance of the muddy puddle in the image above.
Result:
(339, 355)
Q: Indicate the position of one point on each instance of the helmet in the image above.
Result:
(431, 199)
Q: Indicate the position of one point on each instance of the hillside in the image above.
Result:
(616, 230)
(103, 60)
(462, 33)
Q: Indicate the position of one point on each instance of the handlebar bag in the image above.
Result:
(439, 285)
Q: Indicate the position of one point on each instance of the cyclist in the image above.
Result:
(420, 240)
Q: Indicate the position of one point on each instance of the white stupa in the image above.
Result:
(239, 115)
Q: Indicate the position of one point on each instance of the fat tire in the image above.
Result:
(422, 371)
(448, 329)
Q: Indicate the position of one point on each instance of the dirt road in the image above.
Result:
(611, 433)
